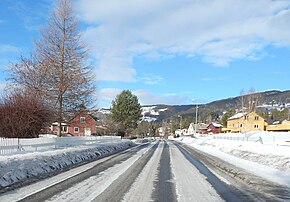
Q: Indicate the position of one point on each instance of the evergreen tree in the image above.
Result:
(226, 116)
(125, 112)
(280, 115)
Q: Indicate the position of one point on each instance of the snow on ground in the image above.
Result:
(147, 112)
(88, 189)
(186, 184)
(20, 167)
(270, 160)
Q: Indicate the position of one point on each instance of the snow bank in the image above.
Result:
(18, 168)
(266, 160)
(270, 155)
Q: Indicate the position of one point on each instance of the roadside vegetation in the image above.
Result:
(23, 115)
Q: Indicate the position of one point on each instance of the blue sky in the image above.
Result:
(166, 51)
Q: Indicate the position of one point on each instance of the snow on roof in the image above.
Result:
(217, 125)
(56, 124)
(237, 116)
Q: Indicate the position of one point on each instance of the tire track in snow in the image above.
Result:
(123, 184)
(48, 187)
(142, 188)
(72, 185)
(191, 185)
(164, 185)
(227, 192)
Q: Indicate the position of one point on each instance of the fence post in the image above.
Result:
(18, 144)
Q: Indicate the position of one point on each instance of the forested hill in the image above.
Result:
(273, 99)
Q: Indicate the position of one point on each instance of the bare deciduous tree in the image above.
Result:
(249, 100)
(23, 115)
(58, 69)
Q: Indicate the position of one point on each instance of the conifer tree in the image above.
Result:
(125, 112)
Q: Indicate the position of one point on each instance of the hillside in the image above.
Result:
(269, 100)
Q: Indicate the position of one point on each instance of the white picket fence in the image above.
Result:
(263, 137)
(17, 145)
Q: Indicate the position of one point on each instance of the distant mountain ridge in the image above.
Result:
(158, 113)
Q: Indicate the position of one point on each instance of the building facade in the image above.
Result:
(214, 128)
(82, 124)
(245, 122)
(284, 126)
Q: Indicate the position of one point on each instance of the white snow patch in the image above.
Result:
(21, 167)
(191, 185)
(269, 160)
(90, 188)
(162, 110)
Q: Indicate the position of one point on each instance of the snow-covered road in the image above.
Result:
(158, 171)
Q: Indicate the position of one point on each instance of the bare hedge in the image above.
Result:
(23, 115)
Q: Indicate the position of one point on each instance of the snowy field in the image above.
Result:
(21, 167)
(269, 158)
(12, 146)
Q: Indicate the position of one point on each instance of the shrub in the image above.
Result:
(23, 115)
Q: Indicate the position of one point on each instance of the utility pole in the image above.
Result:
(180, 121)
(196, 107)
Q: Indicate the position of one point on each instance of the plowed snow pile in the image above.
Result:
(21, 167)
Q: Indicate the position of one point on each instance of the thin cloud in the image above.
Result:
(108, 94)
(148, 98)
(145, 97)
(152, 79)
(6, 48)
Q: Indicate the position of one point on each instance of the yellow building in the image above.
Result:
(283, 126)
(245, 122)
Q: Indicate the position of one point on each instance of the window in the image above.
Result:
(246, 117)
(256, 126)
(241, 125)
(83, 119)
(64, 129)
(76, 129)
(256, 118)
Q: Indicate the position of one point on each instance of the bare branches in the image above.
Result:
(23, 115)
(58, 70)
(249, 100)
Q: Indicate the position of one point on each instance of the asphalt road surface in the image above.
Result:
(158, 171)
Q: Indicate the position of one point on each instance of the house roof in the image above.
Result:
(200, 126)
(237, 116)
(217, 125)
(83, 113)
(240, 115)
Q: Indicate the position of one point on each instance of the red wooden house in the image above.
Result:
(214, 128)
(83, 124)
